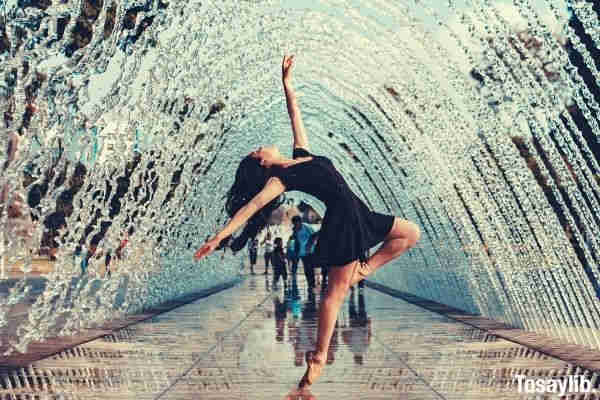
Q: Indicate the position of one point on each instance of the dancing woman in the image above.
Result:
(349, 229)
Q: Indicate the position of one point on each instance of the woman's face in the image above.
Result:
(266, 154)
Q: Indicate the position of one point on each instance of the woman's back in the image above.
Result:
(348, 222)
(317, 177)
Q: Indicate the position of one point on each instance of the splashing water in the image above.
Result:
(126, 121)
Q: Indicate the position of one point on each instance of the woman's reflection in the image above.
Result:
(358, 335)
(305, 332)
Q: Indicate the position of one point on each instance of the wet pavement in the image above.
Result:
(248, 342)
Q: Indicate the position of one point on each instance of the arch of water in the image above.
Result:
(125, 120)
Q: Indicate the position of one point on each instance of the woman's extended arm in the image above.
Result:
(300, 138)
(273, 188)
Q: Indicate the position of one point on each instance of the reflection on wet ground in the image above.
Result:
(248, 342)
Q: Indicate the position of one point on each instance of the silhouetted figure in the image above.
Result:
(252, 253)
(279, 264)
(268, 245)
(302, 234)
(292, 255)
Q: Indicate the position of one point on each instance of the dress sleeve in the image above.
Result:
(300, 152)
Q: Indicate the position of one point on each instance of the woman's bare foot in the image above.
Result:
(300, 394)
(361, 271)
(314, 366)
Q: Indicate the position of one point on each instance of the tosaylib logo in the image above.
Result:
(559, 385)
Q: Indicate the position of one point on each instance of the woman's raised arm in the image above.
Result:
(300, 138)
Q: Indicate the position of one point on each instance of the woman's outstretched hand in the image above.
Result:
(206, 248)
(286, 68)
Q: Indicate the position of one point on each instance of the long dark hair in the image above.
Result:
(250, 179)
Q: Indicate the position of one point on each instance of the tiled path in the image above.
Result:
(248, 342)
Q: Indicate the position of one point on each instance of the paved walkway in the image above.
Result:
(248, 342)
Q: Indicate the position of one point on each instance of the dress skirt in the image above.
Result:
(347, 234)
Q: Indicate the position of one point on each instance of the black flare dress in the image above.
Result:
(349, 229)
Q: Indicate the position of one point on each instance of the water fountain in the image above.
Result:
(476, 119)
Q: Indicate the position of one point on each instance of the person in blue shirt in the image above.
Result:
(279, 264)
(302, 234)
(291, 255)
(312, 244)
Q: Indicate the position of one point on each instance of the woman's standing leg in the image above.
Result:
(339, 284)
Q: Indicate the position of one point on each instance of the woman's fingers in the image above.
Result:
(206, 249)
(288, 61)
(202, 251)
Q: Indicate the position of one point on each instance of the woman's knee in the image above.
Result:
(404, 229)
(415, 235)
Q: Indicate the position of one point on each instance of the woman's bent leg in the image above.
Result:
(403, 235)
